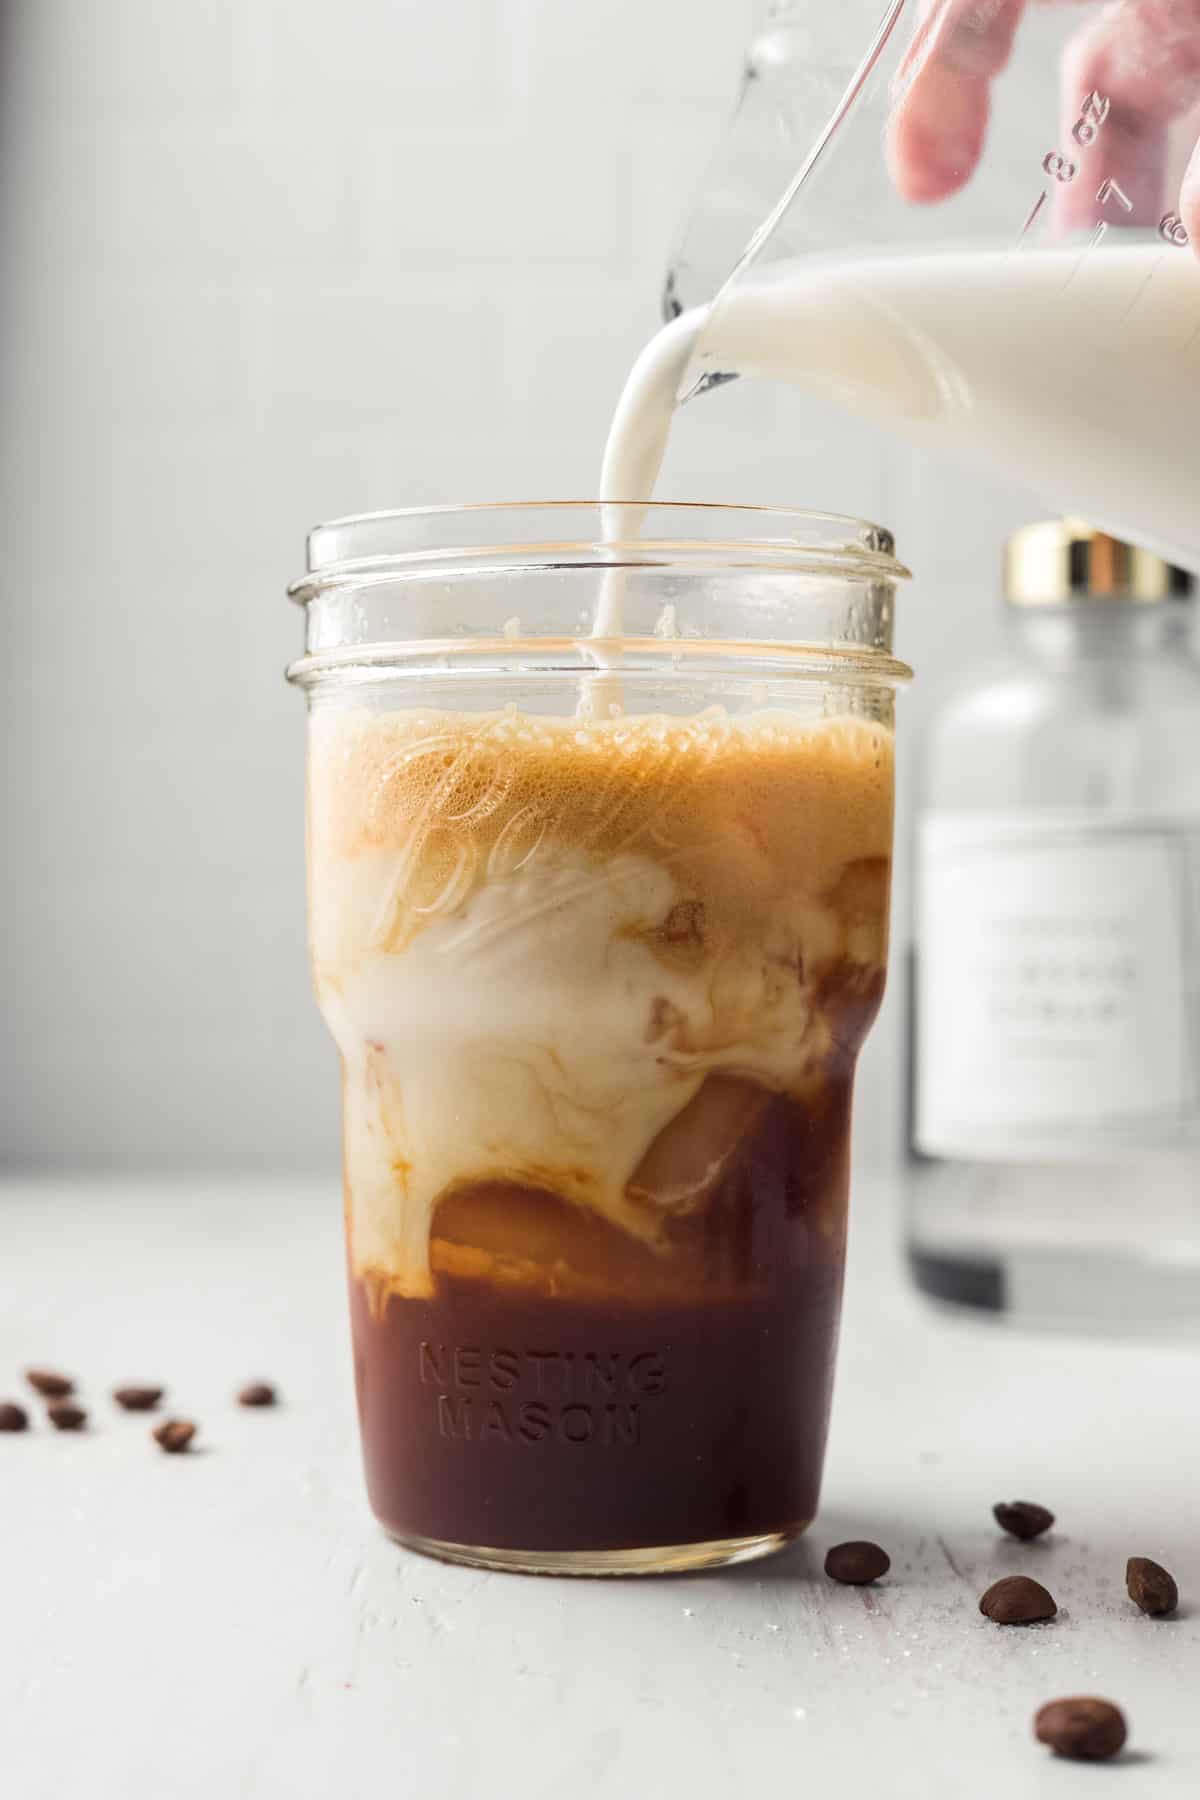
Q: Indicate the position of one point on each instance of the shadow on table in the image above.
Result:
(804, 1560)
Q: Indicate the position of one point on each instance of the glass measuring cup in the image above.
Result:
(975, 221)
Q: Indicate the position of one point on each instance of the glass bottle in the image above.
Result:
(1054, 1168)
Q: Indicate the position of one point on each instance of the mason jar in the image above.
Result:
(598, 926)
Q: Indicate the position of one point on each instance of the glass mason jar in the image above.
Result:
(1055, 1128)
(598, 927)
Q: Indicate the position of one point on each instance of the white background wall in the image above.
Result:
(265, 262)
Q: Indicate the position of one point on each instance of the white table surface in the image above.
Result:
(231, 1623)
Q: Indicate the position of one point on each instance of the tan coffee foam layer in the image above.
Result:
(461, 800)
(536, 942)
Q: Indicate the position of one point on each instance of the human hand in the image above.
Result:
(1141, 56)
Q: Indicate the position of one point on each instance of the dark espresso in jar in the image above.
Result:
(671, 1409)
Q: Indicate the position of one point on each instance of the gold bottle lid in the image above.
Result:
(1061, 561)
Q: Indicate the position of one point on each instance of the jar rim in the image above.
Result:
(406, 541)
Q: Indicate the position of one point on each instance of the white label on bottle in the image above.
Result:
(1055, 1013)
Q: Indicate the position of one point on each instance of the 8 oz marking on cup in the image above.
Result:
(1093, 110)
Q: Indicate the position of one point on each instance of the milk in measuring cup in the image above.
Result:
(1073, 370)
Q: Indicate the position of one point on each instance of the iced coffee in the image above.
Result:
(598, 917)
(598, 989)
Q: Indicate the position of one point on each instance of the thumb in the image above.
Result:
(1189, 200)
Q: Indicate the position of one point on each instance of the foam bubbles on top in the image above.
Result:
(452, 801)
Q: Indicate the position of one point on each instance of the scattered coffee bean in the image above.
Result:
(12, 1417)
(138, 1399)
(64, 1415)
(1022, 1518)
(1150, 1587)
(48, 1384)
(1084, 1728)
(1016, 1600)
(257, 1393)
(174, 1435)
(857, 1563)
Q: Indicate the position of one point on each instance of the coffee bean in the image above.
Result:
(1016, 1600)
(65, 1416)
(50, 1385)
(257, 1393)
(138, 1399)
(857, 1563)
(1022, 1518)
(1083, 1728)
(12, 1417)
(174, 1435)
(1151, 1589)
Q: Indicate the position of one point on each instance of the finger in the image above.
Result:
(1189, 200)
(939, 122)
(1143, 59)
